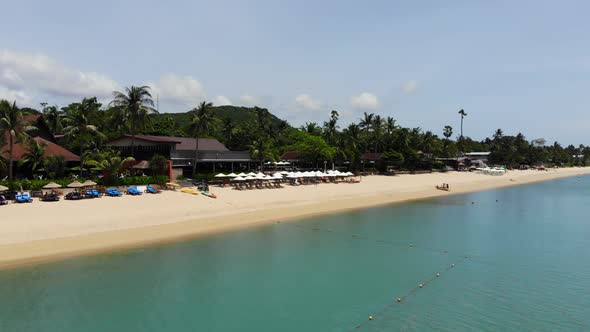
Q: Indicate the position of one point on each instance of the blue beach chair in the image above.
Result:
(23, 198)
(151, 190)
(133, 191)
(113, 192)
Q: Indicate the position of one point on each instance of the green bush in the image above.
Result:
(128, 181)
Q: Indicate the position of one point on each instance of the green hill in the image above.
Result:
(238, 114)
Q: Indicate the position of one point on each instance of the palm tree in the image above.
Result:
(109, 163)
(377, 130)
(331, 128)
(53, 116)
(78, 127)
(447, 131)
(35, 155)
(463, 114)
(13, 126)
(366, 125)
(312, 128)
(137, 104)
(228, 129)
(261, 150)
(201, 124)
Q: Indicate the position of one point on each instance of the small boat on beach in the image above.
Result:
(187, 190)
(209, 194)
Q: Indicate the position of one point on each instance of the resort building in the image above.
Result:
(51, 149)
(213, 156)
(483, 156)
(40, 133)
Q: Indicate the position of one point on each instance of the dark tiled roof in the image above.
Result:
(205, 144)
(185, 143)
(51, 149)
(159, 139)
(290, 155)
(31, 117)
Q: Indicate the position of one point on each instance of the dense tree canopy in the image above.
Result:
(87, 125)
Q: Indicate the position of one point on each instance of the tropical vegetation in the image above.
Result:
(86, 126)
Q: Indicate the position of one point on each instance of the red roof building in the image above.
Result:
(51, 149)
(372, 156)
(291, 156)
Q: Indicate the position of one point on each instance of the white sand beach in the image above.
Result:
(44, 231)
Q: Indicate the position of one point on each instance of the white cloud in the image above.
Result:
(21, 98)
(365, 102)
(410, 87)
(178, 90)
(305, 101)
(250, 100)
(221, 100)
(38, 73)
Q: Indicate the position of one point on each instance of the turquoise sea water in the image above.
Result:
(528, 269)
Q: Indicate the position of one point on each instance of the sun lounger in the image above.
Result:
(133, 191)
(96, 193)
(50, 197)
(23, 198)
(151, 190)
(113, 192)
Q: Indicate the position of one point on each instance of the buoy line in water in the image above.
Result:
(400, 300)
(366, 238)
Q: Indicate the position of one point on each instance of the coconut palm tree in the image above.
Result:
(366, 125)
(261, 150)
(228, 127)
(137, 104)
(12, 126)
(201, 124)
(331, 128)
(463, 114)
(35, 155)
(53, 116)
(109, 163)
(311, 128)
(78, 127)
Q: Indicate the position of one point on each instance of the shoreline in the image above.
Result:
(133, 222)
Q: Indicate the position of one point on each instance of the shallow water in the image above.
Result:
(528, 268)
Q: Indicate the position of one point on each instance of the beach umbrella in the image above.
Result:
(89, 183)
(220, 175)
(232, 175)
(75, 184)
(285, 173)
(250, 177)
(51, 185)
(239, 178)
(277, 176)
(260, 176)
(251, 174)
(3, 188)
(243, 174)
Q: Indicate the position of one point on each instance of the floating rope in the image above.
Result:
(400, 300)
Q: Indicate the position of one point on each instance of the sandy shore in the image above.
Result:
(43, 231)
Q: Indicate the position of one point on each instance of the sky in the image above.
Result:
(522, 66)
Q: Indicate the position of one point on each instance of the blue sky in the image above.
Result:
(516, 65)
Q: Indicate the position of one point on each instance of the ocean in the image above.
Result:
(511, 259)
